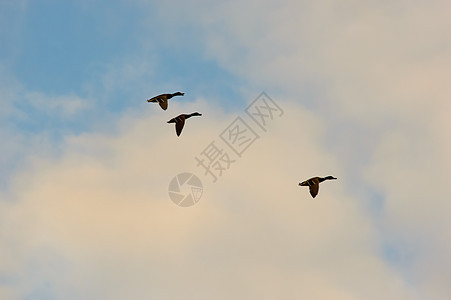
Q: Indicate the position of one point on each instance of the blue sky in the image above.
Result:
(84, 208)
(62, 48)
(58, 48)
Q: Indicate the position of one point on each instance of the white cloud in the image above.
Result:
(376, 74)
(63, 105)
(103, 213)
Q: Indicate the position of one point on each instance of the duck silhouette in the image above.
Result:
(313, 184)
(180, 121)
(163, 99)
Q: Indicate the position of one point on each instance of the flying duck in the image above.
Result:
(163, 99)
(313, 184)
(180, 121)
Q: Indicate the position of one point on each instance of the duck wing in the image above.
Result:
(314, 188)
(163, 103)
(154, 99)
(179, 123)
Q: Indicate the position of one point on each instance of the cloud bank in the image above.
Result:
(98, 222)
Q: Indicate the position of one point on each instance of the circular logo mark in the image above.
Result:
(185, 189)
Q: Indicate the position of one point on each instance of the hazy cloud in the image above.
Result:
(103, 213)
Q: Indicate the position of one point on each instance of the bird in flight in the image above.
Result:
(163, 99)
(180, 121)
(313, 184)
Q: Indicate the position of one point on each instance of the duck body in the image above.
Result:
(163, 99)
(180, 121)
(313, 184)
